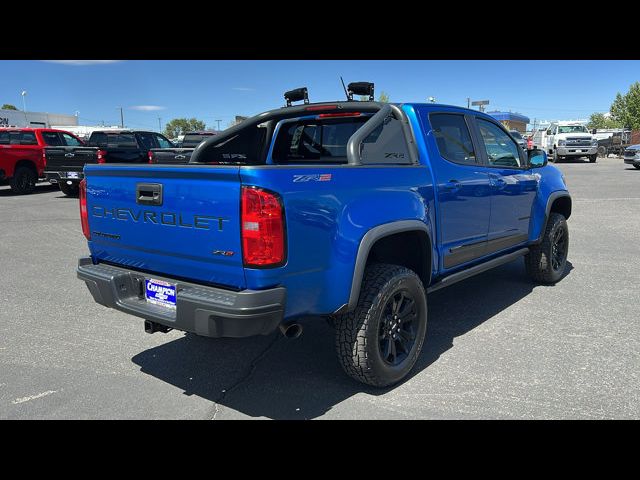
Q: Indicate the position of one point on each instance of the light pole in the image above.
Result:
(77, 117)
(121, 118)
(218, 124)
(24, 107)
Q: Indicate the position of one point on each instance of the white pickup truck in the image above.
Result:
(569, 140)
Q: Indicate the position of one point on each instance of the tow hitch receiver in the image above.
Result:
(153, 327)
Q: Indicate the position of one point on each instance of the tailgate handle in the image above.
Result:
(149, 193)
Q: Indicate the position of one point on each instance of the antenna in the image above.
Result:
(345, 90)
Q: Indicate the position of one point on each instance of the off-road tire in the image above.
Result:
(637, 166)
(593, 158)
(358, 333)
(538, 261)
(23, 181)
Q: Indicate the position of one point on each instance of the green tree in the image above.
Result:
(179, 126)
(598, 120)
(8, 106)
(625, 109)
(384, 97)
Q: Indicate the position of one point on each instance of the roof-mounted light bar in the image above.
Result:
(296, 95)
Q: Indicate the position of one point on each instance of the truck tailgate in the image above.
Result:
(69, 159)
(182, 222)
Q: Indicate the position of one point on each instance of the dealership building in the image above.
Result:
(512, 121)
(18, 118)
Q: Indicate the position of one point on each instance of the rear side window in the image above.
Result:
(315, 141)
(52, 139)
(4, 138)
(28, 138)
(453, 138)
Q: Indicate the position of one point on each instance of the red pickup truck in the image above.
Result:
(22, 159)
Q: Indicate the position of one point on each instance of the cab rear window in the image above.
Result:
(113, 140)
(313, 141)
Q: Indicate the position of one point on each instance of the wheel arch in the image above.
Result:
(25, 163)
(558, 202)
(380, 240)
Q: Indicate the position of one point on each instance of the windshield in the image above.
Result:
(516, 135)
(572, 129)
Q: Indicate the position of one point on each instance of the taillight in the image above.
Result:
(44, 158)
(84, 215)
(150, 155)
(102, 156)
(262, 228)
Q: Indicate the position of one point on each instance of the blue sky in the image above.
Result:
(210, 90)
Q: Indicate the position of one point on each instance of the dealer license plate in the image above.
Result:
(160, 292)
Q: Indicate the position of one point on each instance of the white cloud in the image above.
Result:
(244, 89)
(147, 108)
(80, 63)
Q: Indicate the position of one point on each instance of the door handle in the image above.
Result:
(149, 193)
(452, 185)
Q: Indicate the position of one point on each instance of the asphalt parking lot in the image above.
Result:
(497, 345)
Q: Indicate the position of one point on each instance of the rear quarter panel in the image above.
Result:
(326, 220)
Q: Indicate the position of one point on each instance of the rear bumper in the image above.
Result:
(206, 311)
(55, 177)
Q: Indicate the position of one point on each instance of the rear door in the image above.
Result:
(514, 186)
(462, 187)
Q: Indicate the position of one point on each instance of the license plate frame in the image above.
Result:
(160, 292)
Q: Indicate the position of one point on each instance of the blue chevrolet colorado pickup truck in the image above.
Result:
(352, 210)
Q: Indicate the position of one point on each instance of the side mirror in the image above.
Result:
(537, 158)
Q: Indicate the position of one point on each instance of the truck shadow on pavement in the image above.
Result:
(277, 378)
(5, 190)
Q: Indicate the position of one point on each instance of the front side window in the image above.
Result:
(453, 138)
(4, 137)
(162, 142)
(70, 140)
(501, 150)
